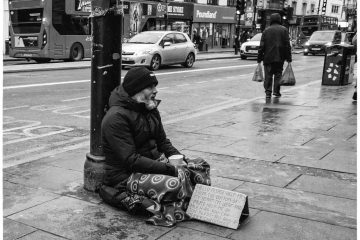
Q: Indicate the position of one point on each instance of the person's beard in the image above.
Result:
(150, 103)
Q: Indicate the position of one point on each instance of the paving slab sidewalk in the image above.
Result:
(297, 164)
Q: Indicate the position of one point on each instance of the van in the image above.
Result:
(320, 40)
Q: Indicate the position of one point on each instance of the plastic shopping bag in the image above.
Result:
(258, 74)
(288, 77)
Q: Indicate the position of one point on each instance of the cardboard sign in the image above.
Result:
(218, 206)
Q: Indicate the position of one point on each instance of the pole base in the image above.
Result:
(93, 172)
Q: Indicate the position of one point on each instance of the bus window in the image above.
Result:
(27, 20)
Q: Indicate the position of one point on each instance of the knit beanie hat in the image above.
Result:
(137, 79)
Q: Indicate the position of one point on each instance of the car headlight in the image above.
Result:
(328, 44)
(307, 44)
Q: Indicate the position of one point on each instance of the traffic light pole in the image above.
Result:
(105, 76)
(240, 9)
(237, 39)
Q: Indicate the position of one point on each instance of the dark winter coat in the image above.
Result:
(275, 43)
(133, 138)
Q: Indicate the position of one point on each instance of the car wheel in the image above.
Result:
(42, 60)
(155, 62)
(305, 54)
(243, 57)
(76, 52)
(189, 62)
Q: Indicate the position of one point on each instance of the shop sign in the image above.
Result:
(83, 5)
(213, 14)
(180, 10)
(124, 6)
(160, 9)
(249, 15)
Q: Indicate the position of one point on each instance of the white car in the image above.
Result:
(155, 48)
(250, 48)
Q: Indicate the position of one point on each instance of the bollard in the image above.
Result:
(105, 76)
(93, 172)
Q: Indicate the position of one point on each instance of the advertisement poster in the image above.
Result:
(135, 18)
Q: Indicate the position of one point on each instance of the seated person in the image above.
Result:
(136, 152)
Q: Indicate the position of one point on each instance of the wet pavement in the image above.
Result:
(294, 156)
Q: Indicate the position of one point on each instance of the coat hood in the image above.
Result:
(275, 18)
(119, 97)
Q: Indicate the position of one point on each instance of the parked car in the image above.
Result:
(251, 47)
(155, 48)
(319, 40)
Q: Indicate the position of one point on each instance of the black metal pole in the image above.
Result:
(105, 76)
(237, 39)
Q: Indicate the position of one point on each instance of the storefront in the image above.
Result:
(215, 25)
(139, 17)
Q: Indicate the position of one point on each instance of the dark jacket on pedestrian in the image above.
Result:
(274, 43)
(133, 139)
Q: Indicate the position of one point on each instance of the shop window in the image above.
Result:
(231, 3)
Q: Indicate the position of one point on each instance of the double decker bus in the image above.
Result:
(312, 23)
(43, 30)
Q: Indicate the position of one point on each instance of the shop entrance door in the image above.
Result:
(221, 35)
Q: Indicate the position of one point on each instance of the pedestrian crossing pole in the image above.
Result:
(106, 22)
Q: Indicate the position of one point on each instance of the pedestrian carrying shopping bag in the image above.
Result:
(258, 74)
(288, 77)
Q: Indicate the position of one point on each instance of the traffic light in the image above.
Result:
(288, 13)
(240, 6)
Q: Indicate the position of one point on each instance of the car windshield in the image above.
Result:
(257, 37)
(322, 36)
(146, 37)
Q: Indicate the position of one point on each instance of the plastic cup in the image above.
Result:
(176, 159)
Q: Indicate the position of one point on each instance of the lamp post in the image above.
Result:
(105, 76)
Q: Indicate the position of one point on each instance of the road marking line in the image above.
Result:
(183, 85)
(29, 123)
(75, 99)
(162, 88)
(43, 84)
(37, 136)
(157, 74)
(48, 145)
(46, 154)
(10, 108)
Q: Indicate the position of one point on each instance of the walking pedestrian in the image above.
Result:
(273, 51)
(138, 173)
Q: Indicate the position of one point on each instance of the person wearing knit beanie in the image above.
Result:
(140, 84)
(137, 79)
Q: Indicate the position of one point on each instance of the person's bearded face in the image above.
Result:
(147, 96)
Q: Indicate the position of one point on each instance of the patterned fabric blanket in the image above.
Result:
(165, 198)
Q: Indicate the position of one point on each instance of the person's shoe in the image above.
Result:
(277, 94)
(268, 96)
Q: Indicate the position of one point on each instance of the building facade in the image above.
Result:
(214, 24)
